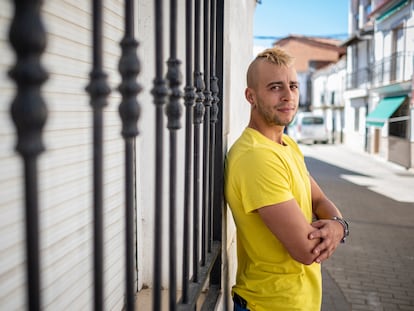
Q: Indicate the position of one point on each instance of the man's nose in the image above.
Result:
(288, 94)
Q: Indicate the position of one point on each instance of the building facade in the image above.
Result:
(378, 97)
(328, 88)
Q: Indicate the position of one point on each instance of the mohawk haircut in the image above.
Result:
(275, 55)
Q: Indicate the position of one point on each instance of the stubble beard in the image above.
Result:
(272, 118)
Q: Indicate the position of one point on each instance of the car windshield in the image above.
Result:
(312, 121)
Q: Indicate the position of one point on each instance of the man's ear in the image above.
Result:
(248, 93)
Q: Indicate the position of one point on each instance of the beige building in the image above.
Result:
(311, 54)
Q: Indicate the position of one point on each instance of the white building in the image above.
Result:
(378, 97)
(328, 97)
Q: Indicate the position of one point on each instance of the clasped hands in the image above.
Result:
(330, 233)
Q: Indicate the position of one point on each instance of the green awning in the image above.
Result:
(392, 10)
(384, 110)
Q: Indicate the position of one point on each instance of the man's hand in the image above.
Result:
(331, 233)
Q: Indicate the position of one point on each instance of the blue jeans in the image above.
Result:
(237, 307)
(239, 303)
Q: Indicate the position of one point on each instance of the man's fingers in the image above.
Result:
(318, 224)
(318, 234)
(315, 235)
(324, 255)
(326, 246)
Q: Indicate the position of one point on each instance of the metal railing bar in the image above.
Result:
(213, 118)
(174, 114)
(198, 119)
(206, 133)
(129, 111)
(172, 226)
(220, 140)
(211, 299)
(98, 90)
(29, 113)
(160, 92)
(196, 288)
(189, 102)
(218, 205)
(129, 225)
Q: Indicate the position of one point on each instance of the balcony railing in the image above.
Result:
(358, 79)
(396, 68)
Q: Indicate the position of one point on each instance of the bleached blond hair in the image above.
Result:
(275, 55)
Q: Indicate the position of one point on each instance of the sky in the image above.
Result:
(281, 18)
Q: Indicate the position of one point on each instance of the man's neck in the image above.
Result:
(274, 133)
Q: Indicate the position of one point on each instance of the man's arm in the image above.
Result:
(322, 207)
(287, 223)
(330, 232)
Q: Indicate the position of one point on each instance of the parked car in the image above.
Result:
(308, 127)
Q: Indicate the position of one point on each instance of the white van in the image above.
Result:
(308, 127)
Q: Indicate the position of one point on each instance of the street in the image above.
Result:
(374, 270)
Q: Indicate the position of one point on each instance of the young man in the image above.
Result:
(273, 199)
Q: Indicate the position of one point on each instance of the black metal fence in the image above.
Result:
(396, 68)
(358, 79)
(203, 156)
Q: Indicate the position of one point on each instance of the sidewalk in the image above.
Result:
(379, 175)
(374, 270)
(333, 298)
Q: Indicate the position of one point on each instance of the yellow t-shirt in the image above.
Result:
(260, 172)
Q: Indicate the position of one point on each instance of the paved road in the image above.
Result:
(374, 270)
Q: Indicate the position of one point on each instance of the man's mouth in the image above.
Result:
(285, 109)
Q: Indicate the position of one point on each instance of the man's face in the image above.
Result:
(275, 94)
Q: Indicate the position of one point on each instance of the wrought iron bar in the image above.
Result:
(129, 111)
(198, 119)
(160, 92)
(206, 132)
(196, 288)
(218, 200)
(174, 114)
(214, 117)
(220, 139)
(98, 90)
(189, 97)
(28, 110)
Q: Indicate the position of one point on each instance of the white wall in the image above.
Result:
(325, 82)
(146, 191)
(238, 55)
(238, 47)
(65, 194)
(65, 169)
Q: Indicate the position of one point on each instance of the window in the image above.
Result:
(397, 49)
(399, 126)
